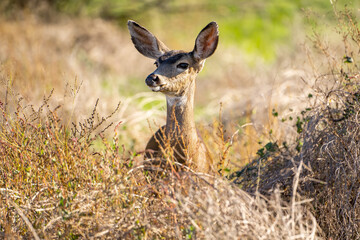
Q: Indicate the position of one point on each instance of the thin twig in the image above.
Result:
(26, 220)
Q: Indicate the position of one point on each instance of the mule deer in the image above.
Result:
(175, 77)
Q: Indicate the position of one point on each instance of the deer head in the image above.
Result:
(176, 70)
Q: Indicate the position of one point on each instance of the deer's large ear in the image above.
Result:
(206, 42)
(145, 42)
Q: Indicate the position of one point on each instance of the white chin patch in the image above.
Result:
(155, 89)
(178, 101)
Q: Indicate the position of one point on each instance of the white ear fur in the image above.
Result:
(145, 42)
(206, 42)
(202, 64)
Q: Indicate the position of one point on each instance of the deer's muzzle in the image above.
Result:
(153, 82)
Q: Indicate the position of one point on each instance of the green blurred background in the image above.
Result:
(257, 27)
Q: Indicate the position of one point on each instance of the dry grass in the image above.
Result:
(56, 185)
(223, 211)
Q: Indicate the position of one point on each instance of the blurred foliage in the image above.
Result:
(257, 27)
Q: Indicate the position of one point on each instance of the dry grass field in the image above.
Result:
(75, 116)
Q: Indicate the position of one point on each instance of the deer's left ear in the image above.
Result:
(206, 42)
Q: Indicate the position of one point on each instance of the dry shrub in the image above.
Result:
(327, 144)
(331, 150)
(224, 211)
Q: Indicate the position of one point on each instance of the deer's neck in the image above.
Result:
(180, 114)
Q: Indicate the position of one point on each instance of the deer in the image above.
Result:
(175, 74)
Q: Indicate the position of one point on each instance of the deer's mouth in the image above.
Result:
(157, 88)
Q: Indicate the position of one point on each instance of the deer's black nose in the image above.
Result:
(152, 80)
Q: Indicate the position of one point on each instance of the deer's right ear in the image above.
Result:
(145, 42)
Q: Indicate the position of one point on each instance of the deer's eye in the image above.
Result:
(156, 64)
(183, 66)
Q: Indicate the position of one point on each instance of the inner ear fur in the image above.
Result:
(206, 42)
